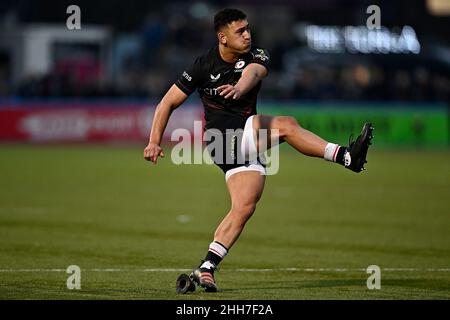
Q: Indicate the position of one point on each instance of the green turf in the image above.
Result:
(104, 207)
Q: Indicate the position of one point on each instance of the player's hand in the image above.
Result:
(229, 92)
(152, 151)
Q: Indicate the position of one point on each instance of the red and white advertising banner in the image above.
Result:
(89, 123)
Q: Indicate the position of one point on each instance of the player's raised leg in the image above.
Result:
(286, 128)
(245, 190)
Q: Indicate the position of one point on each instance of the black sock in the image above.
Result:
(340, 155)
(216, 253)
(214, 258)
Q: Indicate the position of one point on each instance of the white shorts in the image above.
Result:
(249, 150)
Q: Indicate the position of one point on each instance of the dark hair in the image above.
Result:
(226, 16)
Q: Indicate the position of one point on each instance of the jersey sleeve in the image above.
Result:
(190, 78)
(260, 56)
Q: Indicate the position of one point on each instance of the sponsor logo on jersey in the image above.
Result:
(214, 78)
(187, 76)
(261, 55)
(240, 64)
(211, 91)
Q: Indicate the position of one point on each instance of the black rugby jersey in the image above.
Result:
(210, 71)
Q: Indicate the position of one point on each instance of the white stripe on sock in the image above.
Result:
(218, 249)
(331, 151)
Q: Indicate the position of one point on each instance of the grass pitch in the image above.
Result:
(130, 225)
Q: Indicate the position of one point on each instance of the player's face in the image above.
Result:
(236, 36)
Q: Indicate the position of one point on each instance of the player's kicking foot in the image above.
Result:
(204, 276)
(355, 155)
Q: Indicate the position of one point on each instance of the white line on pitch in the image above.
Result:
(234, 270)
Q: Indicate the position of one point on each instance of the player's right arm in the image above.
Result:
(177, 94)
(172, 99)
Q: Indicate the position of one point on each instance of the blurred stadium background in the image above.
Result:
(75, 113)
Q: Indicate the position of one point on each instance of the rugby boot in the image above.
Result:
(356, 152)
(204, 276)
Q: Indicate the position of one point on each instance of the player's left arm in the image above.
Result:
(250, 77)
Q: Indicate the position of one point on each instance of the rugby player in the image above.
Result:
(228, 78)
